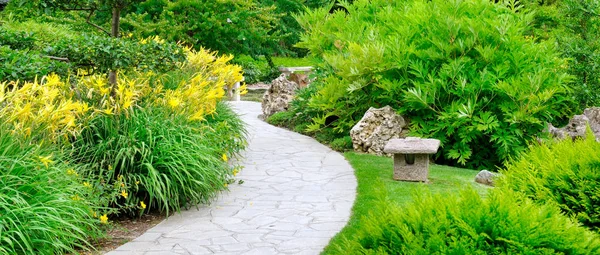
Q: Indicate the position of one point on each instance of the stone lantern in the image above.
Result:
(411, 157)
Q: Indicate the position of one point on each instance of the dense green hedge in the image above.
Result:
(464, 72)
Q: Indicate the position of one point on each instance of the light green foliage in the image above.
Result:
(503, 223)
(375, 185)
(44, 208)
(462, 71)
(565, 173)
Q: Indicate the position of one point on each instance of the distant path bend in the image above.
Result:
(297, 194)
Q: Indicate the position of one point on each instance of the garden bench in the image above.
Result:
(411, 157)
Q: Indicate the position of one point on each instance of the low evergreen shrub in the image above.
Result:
(342, 144)
(502, 223)
(565, 173)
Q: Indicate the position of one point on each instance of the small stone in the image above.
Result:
(485, 177)
(375, 129)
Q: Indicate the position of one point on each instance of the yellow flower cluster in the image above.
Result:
(62, 109)
(198, 96)
(41, 106)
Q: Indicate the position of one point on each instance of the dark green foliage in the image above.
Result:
(162, 159)
(43, 208)
(255, 70)
(503, 223)
(24, 66)
(575, 26)
(101, 54)
(287, 25)
(463, 72)
(566, 173)
(20, 61)
(342, 144)
(229, 26)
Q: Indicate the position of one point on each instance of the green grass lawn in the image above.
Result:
(375, 183)
(253, 95)
(289, 61)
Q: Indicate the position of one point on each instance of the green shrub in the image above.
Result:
(26, 66)
(575, 26)
(566, 173)
(462, 71)
(228, 26)
(158, 158)
(255, 70)
(44, 207)
(281, 119)
(43, 34)
(101, 54)
(503, 223)
(342, 144)
(16, 40)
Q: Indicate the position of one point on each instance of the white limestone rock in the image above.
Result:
(375, 129)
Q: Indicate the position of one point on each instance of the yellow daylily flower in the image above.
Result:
(46, 160)
(224, 157)
(142, 205)
(104, 219)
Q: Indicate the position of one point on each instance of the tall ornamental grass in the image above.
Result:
(158, 158)
(43, 202)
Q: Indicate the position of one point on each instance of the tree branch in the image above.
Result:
(58, 58)
(94, 25)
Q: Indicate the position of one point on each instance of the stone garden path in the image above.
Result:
(296, 195)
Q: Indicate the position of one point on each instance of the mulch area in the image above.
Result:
(124, 230)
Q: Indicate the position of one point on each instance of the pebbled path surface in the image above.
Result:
(297, 194)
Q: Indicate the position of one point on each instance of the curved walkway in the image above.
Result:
(296, 195)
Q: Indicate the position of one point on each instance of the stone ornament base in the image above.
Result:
(416, 172)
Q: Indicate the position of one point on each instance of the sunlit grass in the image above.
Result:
(374, 175)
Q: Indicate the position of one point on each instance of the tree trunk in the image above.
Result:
(114, 32)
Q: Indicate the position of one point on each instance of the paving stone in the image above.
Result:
(297, 194)
(261, 251)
